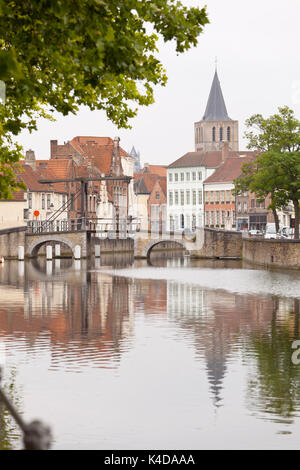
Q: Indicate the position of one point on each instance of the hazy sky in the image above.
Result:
(257, 46)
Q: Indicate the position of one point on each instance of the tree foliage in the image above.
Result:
(276, 170)
(57, 55)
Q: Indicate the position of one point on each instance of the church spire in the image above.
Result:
(216, 108)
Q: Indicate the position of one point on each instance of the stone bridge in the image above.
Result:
(34, 241)
(203, 243)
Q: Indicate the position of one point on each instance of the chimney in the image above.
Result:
(53, 148)
(30, 159)
(146, 167)
(225, 150)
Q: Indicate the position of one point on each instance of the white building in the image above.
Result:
(185, 204)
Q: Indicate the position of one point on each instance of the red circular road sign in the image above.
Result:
(36, 213)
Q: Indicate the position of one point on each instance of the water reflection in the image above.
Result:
(88, 318)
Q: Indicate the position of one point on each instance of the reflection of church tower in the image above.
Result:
(216, 126)
(216, 353)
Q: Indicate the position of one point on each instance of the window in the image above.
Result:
(228, 133)
(222, 196)
(206, 218)
(239, 207)
(30, 200)
(199, 175)
(48, 201)
(199, 197)
(171, 223)
(193, 222)
(212, 199)
(233, 196)
(245, 207)
(43, 201)
(217, 197)
(170, 177)
(181, 176)
(182, 198)
(257, 203)
(217, 217)
(206, 197)
(176, 198)
(157, 195)
(194, 176)
(170, 198)
(252, 203)
(182, 221)
(213, 134)
(212, 218)
(188, 176)
(188, 199)
(194, 198)
(227, 196)
(221, 134)
(176, 176)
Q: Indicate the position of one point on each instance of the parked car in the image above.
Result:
(271, 232)
(254, 232)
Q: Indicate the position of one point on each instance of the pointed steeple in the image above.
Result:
(216, 108)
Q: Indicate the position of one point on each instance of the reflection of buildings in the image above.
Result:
(84, 320)
(218, 320)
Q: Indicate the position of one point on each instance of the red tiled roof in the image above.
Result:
(158, 170)
(207, 159)
(230, 169)
(146, 181)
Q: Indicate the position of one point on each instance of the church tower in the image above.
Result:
(216, 127)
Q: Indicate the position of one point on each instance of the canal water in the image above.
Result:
(167, 354)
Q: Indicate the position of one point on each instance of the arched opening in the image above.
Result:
(221, 134)
(213, 134)
(228, 134)
(66, 250)
(166, 249)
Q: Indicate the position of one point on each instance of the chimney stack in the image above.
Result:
(53, 148)
(30, 158)
(225, 150)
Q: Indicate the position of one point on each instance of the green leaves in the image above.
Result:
(66, 53)
(276, 170)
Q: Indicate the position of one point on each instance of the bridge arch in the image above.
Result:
(152, 243)
(36, 244)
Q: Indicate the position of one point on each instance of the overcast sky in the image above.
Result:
(257, 46)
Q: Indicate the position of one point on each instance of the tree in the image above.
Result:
(276, 169)
(60, 54)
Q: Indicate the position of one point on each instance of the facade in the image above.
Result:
(95, 157)
(12, 211)
(220, 202)
(216, 126)
(150, 190)
(47, 199)
(185, 176)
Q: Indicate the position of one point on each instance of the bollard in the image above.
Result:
(97, 251)
(57, 250)
(77, 252)
(21, 253)
(49, 252)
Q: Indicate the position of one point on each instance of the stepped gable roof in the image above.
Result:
(207, 159)
(98, 150)
(230, 169)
